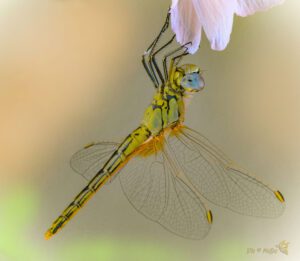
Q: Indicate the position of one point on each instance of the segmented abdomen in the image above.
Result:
(117, 160)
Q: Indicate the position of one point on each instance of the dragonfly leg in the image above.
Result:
(153, 60)
(177, 58)
(146, 60)
(173, 60)
(148, 71)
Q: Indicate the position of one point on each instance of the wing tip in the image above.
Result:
(279, 196)
(209, 216)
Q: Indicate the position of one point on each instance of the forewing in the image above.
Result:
(219, 180)
(151, 185)
(89, 160)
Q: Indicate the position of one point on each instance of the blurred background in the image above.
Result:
(71, 73)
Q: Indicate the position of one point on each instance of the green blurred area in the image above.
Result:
(19, 211)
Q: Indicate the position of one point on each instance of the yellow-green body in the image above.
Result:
(165, 111)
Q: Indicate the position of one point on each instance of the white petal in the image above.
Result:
(185, 24)
(216, 17)
(249, 7)
(174, 3)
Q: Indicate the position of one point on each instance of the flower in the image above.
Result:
(188, 17)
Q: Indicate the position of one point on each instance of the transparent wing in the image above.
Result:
(89, 160)
(219, 180)
(152, 186)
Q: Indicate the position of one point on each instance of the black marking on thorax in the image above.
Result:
(156, 106)
(169, 97)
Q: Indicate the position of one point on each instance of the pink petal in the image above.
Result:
(185, 24)
(249, 7)
(216, 17)
(174, 3)
(188, 17)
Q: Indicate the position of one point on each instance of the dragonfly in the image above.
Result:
(168, 171)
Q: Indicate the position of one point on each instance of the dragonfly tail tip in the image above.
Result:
(48, 235)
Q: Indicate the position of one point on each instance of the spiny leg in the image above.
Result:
(174, 58)
(179, 57)
(148, 66)
(151, 49)
(153, 60)
(152, 77)
(172, 53)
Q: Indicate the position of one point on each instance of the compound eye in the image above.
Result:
(192, 82)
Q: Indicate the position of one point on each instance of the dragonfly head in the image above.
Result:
(188, 77)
